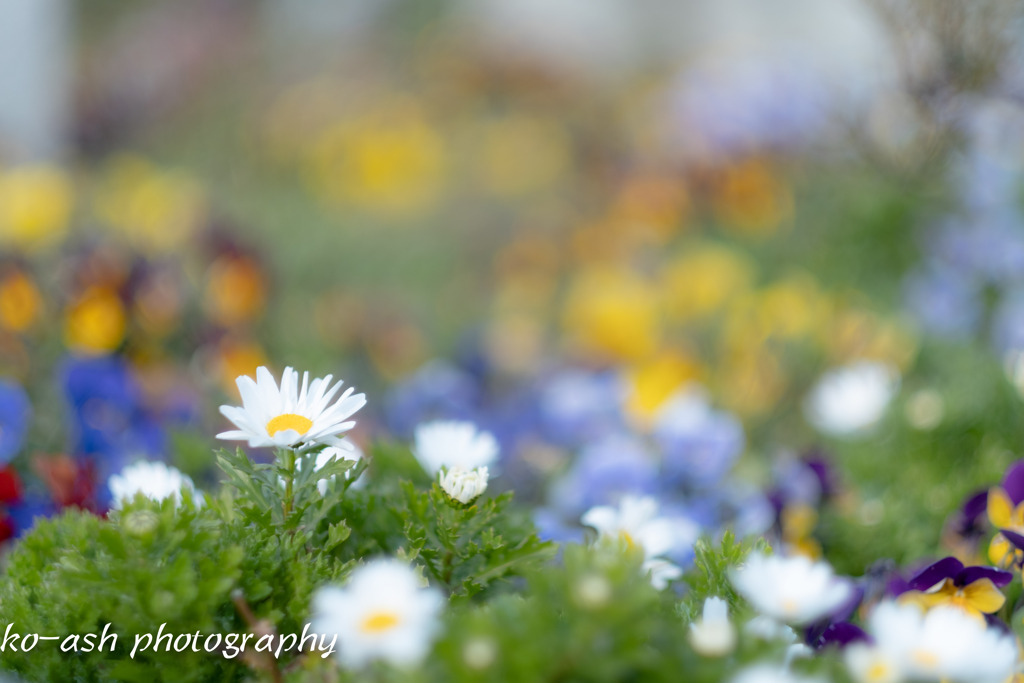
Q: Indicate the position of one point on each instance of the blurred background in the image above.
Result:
(626, 236)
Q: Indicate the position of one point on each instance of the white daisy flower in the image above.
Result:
(154, 480)
(636, 521)
(454, 444)
(713, 635)
(944, 644)
(793, 590)
(848, 401)
(290, 416)
(462, 485)
(383, 612)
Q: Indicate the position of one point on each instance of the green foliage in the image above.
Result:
(466, 548)
(150, 564)
(709, 576)
(247, 560)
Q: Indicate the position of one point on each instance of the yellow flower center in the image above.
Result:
(289, 421)
(628, 539)
(377, 622)
(879, 671)
(925, 658)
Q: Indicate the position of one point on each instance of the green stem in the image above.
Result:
(289, 480)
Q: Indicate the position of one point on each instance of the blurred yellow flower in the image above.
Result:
(750, 382)
(857, 333)
(234, 358)
(651, 207)
(703, 279)
(389, 160)
(35, 206)
(95, 323)
(20, 301)
(792, 307)
(153, 209)
(652, 381)
(798, 521)
(752, 199)
(613, 314)
(235, 292)
(520, 154)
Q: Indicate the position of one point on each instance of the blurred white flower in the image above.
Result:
(793, 590)
(154, 480)
(636, 521)
(944, 644)
(383, 613)
(290, 416)
(713, 635)
(463, 485)
(848, 401)
(766, 628)
(768, 673)
(454, 444)
(329, 454)
(872, 664)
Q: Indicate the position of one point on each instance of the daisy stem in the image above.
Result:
(289, 493)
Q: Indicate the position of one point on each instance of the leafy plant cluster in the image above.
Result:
(249, 559)
(246, 560)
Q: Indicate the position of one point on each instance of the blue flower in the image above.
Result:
(437, 391)
(15, 414)
(606, 470)
(699, 444)
(577, 406)
(943, 302)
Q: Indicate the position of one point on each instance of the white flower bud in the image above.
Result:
(462, 485)
(713, 635)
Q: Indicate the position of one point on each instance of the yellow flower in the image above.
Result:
(655, 379)
(388, 161)
(95, 323)
(977, 598)
(792, 307)
(856, 334)
(153, 209)
(798, 522)
(235, 358)
(752, 199)
(703, 279)
(521, 154)
(235, 292)
(20, 302)
(613, 314)
(35, 206)
(651, 208)
(1003, 514)
(751, 381)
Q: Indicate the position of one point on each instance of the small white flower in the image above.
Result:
(872, 664)
(464, 486)
(290, 416)
(383, 613)
(154, 480)
(713, 635)
(767, 673)
(793, 590)
(850, 400)
(766, 628)
(454, 444)
(943, 644)
(636, 521)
